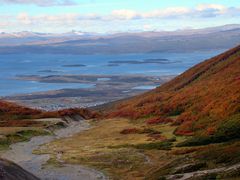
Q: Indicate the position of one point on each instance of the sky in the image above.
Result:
(108, 16)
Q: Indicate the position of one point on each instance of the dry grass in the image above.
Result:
(94, 148)
(12, 130)
(35, 127)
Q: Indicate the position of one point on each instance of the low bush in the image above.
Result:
(159, 120)
(165, 145)
(139, 131)
(20, 136)
(130, 131)
(228, 153)
(228, 130)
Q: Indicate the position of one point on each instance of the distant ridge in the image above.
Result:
(77, 42)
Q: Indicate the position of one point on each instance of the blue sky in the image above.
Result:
(115, 15)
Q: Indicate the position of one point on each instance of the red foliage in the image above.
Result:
(12, 115)
(85, 113)
(130, 131)
(159, 120)
(185, 151)
(209, 90)
(22, 123)
(211, 130)
(13, 111)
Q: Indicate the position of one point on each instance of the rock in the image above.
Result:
(189, 168)
(11, 171)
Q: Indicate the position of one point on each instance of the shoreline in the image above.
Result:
(107, 89)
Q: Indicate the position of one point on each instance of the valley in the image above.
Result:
(22, 154)
(186, 129)
(119, 90)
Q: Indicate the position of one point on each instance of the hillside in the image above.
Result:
(197, 100)
(11, 111)
(145, 137)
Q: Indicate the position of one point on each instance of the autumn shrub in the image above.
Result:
(85, 113)
(149, 131)
(218, 154)
(228, 130)
(159, 120)
(20, 123)
(182, 151)
(208, 90)
(165, 145)
(175, 111)
(139, 131)
(130, 131)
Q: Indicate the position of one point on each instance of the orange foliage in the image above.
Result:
(13, 115)
(130, 131)
(159, 120)
(85, 113)
(10, 111)
(210, 89)
(211, 130)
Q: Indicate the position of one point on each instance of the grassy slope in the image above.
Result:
(105, 147)
(10, 112)
(127, 149)
(18, 123)
(201, 97)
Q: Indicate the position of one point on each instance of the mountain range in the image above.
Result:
(77, 42)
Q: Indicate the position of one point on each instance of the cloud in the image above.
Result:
(24, 18)
(201, 11)
(122, 18)
(125, 14)
(41, 2)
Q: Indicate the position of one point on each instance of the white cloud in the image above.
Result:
(168, 12)
(202, 7)
(41, 2)
(125, 14)
(201, 11)
(24, 18)
(122, 17)
(147, 27)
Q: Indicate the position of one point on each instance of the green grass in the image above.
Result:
(163, 145)
(154, 145)
(227, 131)
(226, 153)
(24, 135)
